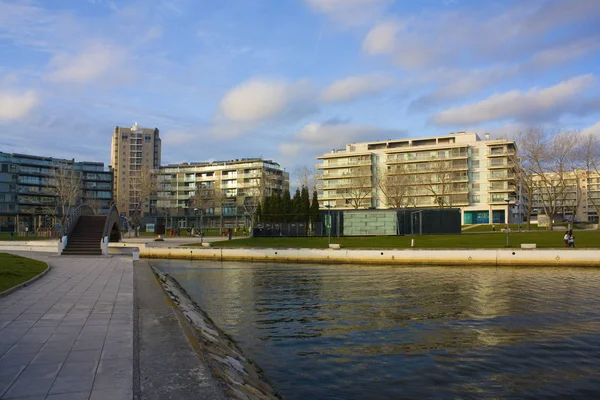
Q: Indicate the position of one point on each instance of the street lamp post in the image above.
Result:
(507, 219)
(329, 224)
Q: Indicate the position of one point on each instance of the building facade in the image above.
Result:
(456, 170)
(29, 199)
(572, 196)
(135, 152)
(232, 191)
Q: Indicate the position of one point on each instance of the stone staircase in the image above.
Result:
(86, 237)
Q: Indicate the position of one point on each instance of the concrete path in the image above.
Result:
(169, 365)
(69, 335)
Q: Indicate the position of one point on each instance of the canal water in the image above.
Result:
(376, 332)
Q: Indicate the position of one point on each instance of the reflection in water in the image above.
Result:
(352, 332)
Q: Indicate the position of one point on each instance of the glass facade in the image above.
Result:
(29, 200)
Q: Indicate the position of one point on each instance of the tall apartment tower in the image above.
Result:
(134, 151)
(456, 170)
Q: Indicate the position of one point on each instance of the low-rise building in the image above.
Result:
(29, 198)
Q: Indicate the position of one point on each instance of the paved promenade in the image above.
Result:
(70, 334)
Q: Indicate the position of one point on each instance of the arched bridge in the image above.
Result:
(86, 233)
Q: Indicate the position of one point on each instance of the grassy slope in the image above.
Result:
(15, 270)
(543, 239)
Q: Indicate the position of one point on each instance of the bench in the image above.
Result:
(206, 244)
(528, 245)
(335, 246)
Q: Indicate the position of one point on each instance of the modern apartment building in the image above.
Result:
(572, 196)
(134, 151)
(456, 170)
(234, 190)
(28, 190)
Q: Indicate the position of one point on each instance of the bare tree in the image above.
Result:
(67, 188)
(359, 188)
(307, 177)
(438, 182)
(142, 186)
(549, 157)
(395, 186)
(94, 204)
(589, 154)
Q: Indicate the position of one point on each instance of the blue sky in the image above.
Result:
(290, 79)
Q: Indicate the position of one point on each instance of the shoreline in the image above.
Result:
(240, 377)
(460, 257)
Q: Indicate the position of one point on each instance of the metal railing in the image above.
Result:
(73, 218)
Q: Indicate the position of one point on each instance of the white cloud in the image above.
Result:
(520, 106)
(491, 33)
(594, 129)
(350, 12)
(96, 61)
(259, 100)
(351, 88)
(14, 106)
(318, 138)
(381, 39)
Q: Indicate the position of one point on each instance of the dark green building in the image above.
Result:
(29, 200)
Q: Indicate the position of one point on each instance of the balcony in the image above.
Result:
(342, 164)
(496, 163)
(501, 177)
(501, 152)
(502, 188)
(409, 158)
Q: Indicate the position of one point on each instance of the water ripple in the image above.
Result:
(376, 332)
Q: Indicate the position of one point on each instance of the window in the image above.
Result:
(147, 138)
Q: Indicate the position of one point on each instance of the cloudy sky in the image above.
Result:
(289, 79)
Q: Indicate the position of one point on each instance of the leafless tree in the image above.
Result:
(549, 157)
(307, 177)
(438, 182)
(142, 186)
(359, 187)
(94, 204)
(67, 188)
(589, 155)
(395, 186)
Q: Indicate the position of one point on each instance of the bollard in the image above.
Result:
(412, 242)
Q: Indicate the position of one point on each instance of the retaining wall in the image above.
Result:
(462, 257)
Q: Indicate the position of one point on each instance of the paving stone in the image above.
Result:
(36, 379)
(114, 373)
(75, 377)
(113, 394)
(70, 396)
(84, 356)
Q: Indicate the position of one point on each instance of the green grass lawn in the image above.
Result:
(6, 236)
(490, 240)
(15, 270)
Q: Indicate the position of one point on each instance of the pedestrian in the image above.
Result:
(493, 228)
(571, 239)
(229, 234)
(235, 231)
(566, 239)
(172, 233)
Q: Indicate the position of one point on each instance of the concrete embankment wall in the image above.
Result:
(462, 257)
(44, 246)
(240, 377)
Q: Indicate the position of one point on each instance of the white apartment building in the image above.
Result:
(239, 184)
(457, 170)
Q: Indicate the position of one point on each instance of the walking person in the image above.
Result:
(566, 239)
(571, 239)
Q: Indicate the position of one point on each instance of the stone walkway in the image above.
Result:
(70, 334)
